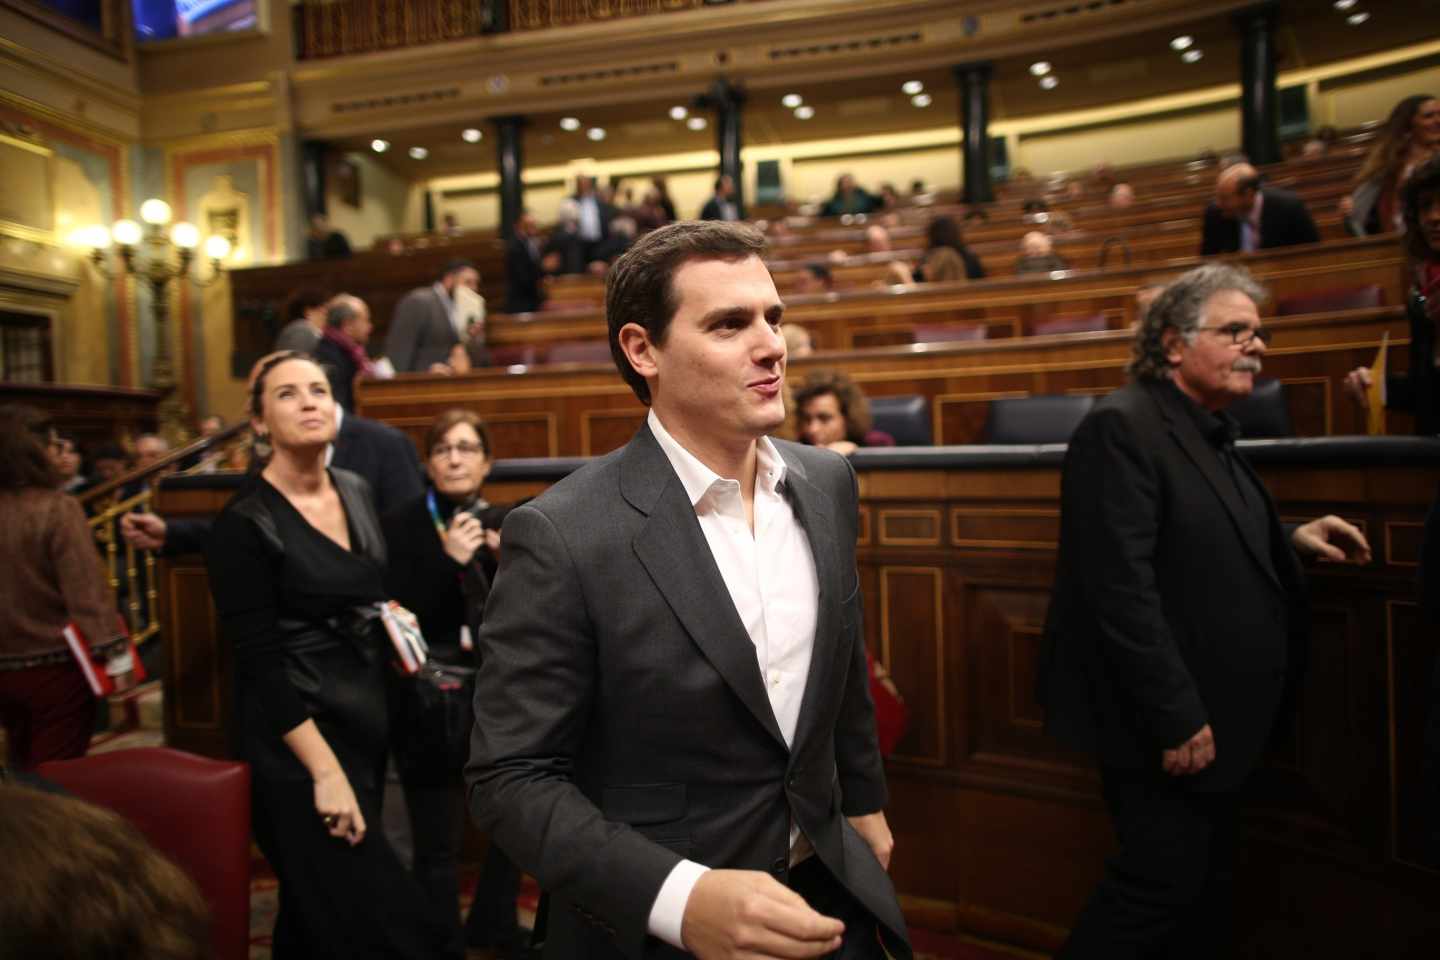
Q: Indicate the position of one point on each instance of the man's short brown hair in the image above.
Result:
(640, 287)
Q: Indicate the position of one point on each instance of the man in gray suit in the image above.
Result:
(424, 330)
(673, 726)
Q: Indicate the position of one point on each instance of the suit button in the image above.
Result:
(778, 867)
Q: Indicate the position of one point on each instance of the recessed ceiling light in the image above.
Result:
(471, 135)
(696, 123)
(791, 100)
(921, 99)
(678, 112)
(1191, 56)
(804, 113)
(1039, 68)
(569, 123)
(1182, 42)
(1344, 4)
(1049, 83)
(1357, 18)
(379, 146)
(418, 153)
(596, 133)
(912, 87)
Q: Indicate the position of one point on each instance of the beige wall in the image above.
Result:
(388, 204)
(1137, 141)
(1345, 103)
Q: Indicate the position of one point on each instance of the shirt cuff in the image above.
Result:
(668, 913)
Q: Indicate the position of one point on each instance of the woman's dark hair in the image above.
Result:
(24, 460)
(302, 301)
(854, 406)
(1390, 146)
(452, 418)
(1424, 180)
(262, 373)
(944, 232)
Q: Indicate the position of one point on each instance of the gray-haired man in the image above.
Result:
(1177, 619)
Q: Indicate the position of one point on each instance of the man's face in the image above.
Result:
(1426, 123)
(821, 421)
(526, 226)
(467, 277)
(1234, 202)
(718, 374)
(148, 451)
(1214, 370)
(108, 468)
(584, 186)
(1430, 220)
(210, 426)
(359, 326)
(725, 187)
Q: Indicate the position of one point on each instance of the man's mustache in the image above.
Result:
(1246, 365)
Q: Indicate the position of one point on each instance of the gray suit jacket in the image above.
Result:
(621, 721)
(421, 332)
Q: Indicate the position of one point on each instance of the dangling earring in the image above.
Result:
(261, 445)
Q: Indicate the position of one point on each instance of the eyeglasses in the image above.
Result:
(1241, 334)
(442, 450)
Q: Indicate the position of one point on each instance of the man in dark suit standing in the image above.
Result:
(1245, 217)
(673, 729)
(1177, 619)
(430, 321)
(722, 205)
(524, 271)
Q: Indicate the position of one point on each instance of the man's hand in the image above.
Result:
(746, 913)
(143, 531)
(876, 832)
(1330, 538)
(1192, 756)
(1356, 382)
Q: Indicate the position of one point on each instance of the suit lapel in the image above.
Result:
(814, 510)
(673, 550)
(1187, 434)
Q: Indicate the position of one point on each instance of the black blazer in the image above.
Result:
(621, 721)
(340, 369)
(1166, 613)
(1284, 222)
(1415, 390)
(384, 456)
(523, 274)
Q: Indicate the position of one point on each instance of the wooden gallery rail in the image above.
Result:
(999, 832)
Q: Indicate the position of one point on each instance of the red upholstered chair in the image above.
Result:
(1323, 301)
(1082, 323)
(935, 333)
(194, 810)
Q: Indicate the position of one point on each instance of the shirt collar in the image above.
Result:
(1255, 208)
(698, 479)
(445, 298)
(1218, 428)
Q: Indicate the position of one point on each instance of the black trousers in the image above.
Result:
(1168, 892)
(339, 901)
(827, 896)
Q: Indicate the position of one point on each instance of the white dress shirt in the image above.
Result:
(770, 576)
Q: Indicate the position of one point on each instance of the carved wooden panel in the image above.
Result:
(1402, 543)
(910, 527)
(912, 645)
(604, 430)
(960, 417)
(197, 698)
(1412, 652)
(1002, 527)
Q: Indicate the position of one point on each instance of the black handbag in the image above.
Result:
(430, 728)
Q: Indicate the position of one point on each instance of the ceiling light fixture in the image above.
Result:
(569, 123)
(1344, 4)
(804, 112)
(1039, 68)
(1182, 42)
(1357, 18)
(471, 135)
(791, 100)
(678, 113)
(379, 146)
(696, 123)
(596, 133)
(418, 153)
(1192, 56)
(912, 87)
(1049, 83)
(921, 100)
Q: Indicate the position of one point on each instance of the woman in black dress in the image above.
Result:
(443, 549)
(296, 565)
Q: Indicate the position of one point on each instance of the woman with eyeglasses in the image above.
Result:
(443, 550)
(297, 564)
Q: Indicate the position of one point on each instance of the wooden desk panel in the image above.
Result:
(581, 410)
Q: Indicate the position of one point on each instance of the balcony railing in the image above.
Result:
(334, 28)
